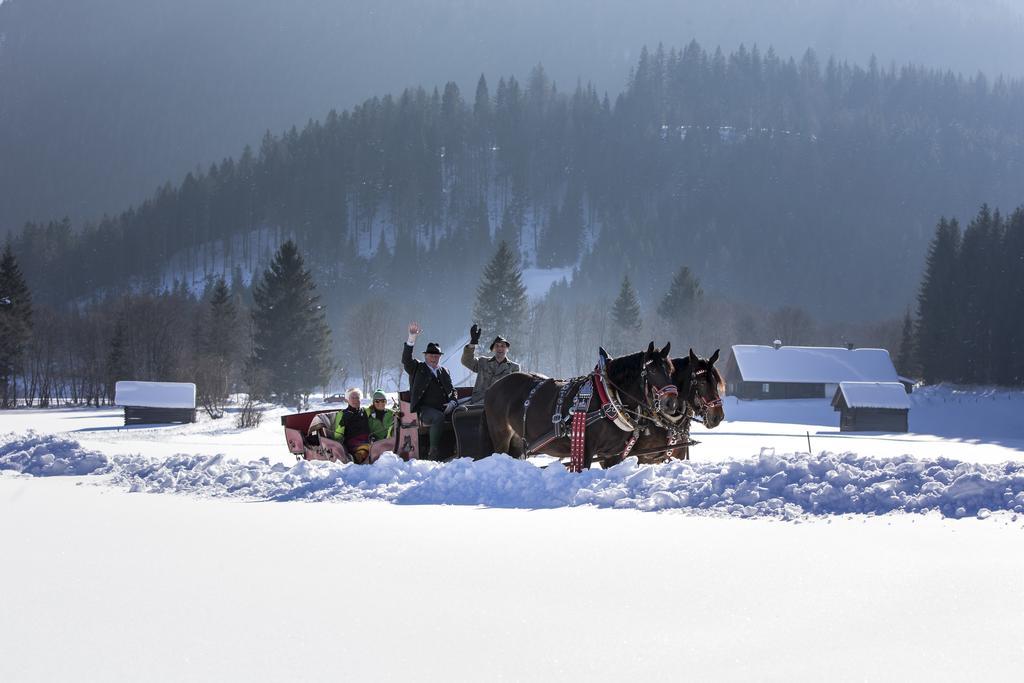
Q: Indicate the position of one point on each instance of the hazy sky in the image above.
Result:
(106, 99)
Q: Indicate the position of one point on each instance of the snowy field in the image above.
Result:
(871, 557)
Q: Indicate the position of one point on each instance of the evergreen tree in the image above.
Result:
(15, 326)
(905, 359)
(290, 333)
(118, 364)
(217, 349)
(482, 108)
(679, 301)
(938, 329)
(977, 298)
(501, 302)
(1010, 345)
(625, 318)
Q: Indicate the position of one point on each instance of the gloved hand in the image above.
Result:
(450, 406)
(474, 334)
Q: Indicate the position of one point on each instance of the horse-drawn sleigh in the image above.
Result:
(641, 404)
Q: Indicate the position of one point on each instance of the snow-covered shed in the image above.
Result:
(777, 371)
(872, 407)
(156, 402)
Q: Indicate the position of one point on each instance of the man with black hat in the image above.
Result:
(488, 369)
(431, 394)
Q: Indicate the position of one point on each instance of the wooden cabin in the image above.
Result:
(785, 372)
(872, 407)
(156, 402)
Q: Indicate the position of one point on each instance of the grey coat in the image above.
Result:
(487, 370)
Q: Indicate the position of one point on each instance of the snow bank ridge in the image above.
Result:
(784, 486)
(48, 456)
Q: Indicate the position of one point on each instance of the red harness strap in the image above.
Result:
(576, 449)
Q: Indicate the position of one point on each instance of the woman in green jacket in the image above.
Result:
(382, 425)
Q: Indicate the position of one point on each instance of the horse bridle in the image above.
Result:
(703, 405)
(653, 394)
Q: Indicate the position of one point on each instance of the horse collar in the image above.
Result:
(609, 405)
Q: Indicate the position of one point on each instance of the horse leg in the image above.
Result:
(486, 443)
(611, 461)
(515, 447)
(501, 437)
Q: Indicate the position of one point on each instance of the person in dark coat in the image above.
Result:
(431, 393)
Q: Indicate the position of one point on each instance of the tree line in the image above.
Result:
(745, 166)
(271, 341)
(968, 327)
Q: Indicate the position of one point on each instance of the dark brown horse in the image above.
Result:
(701, 389)
(528, 408)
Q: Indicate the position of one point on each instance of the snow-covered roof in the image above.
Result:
(155, 394)
(813, 364)
(873, 395)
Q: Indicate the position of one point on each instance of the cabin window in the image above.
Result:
(765, 388)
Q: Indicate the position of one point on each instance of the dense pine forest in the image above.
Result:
(796, 193)
(969, 327)
(777, 182)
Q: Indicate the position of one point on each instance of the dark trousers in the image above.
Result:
(433, 418)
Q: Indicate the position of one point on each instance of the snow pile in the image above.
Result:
(768, 485)
(262, 480)
(48, 456)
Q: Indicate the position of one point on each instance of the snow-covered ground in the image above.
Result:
(874, 556)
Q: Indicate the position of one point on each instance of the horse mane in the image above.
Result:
(721, 382)
(625, 368)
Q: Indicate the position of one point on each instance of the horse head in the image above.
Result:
(659, 388)
(702, 386)
(643, 380)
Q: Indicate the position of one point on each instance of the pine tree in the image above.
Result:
(1010, 345)
(217, 349)
(290, 333)
(625, 318)
(482, 108)
(118, 365)
(679, 301)
(15, 325)
(905, 360)
(501, 302)
(977, 298)
(938, 328)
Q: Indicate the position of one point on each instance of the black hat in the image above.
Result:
(432, 347)
(497, 339)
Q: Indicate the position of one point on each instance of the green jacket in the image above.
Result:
(381, 429)
(377, 429)
(360, 427)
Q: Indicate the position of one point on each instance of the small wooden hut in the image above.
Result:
(872, 407)
(156, 402)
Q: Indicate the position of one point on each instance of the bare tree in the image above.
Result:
(368, 327)
(792, 325)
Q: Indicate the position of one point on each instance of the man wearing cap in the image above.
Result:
(431, 394)
(488, 369)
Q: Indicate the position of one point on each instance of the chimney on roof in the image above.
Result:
(849, 346)
(777, 344)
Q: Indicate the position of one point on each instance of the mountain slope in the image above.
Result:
(103, 100)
